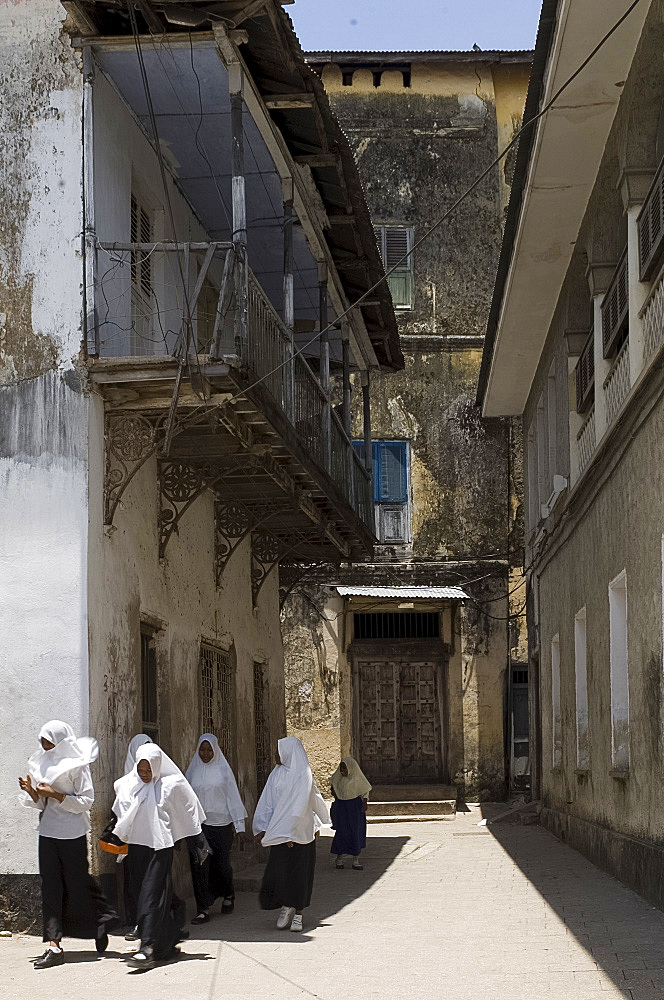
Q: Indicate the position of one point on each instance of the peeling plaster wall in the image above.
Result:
(43, 603)
(418, 148)
(40, 179)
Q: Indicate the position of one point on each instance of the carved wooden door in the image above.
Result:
(399, 728)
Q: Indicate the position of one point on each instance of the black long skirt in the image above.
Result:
(349, 820)
(288, 879)
(214, 878)
(160, 914)
(73, 905)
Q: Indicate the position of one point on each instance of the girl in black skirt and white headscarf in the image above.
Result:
(289, 814)
(156, 807)
(59, 784)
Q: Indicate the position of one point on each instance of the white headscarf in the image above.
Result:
(290, 807)
(215, 785)
(137, 741)
(159, 812)
(353, 784)
(68, 754)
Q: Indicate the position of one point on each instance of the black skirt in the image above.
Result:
(73, 905)
(160, 914)
(288, 879)
(214, 878)
(349, 820)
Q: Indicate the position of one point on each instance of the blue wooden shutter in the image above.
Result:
(390, 471)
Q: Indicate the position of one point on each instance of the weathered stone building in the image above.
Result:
(575, 345)
(424, 688)
(139, 554)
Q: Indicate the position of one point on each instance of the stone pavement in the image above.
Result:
(441, 909)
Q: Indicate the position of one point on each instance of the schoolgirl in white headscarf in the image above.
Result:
(59, 785)
(350, 789)
(211, 777)
(133, 869)
(156, 807)
(136, 741)
(289, 815)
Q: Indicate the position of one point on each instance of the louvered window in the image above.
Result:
(615, 310)
(394, 243)
(651, 227)
(585, 375)
(390, 479)
(141, 280)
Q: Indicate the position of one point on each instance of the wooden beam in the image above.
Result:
(344, 219)
(318, 160)
(81, 20)
(279, 102)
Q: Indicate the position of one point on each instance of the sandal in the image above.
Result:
(339, 864)
(201, 918)
(228, 904)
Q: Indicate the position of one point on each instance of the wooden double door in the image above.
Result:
(400, 719)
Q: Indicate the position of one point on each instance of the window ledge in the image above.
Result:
(557, 770)
(619, 773)
(582, 772)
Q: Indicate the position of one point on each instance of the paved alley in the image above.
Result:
(440, 909)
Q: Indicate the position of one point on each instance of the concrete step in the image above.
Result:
(412, 817)
(411, 807)
(415, 803)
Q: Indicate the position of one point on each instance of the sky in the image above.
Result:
(366, 25)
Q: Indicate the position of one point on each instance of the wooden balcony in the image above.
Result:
(651, 227)
(235, 409)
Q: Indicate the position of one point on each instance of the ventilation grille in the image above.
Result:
(397, 625)
(585, 375)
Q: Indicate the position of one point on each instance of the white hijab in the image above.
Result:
(215, 785)
(159, 812)
(290, 807)
(130, 760)
(351, 785)
(68, 754)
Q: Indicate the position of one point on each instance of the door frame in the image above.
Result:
(405, 650)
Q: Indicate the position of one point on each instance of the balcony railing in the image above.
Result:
(615, 307)
(256, 339)
(585, 375)
(653, 321)
(617, 383)
(651, 226)
(587, 441)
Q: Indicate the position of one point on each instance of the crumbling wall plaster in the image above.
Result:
(41, 268)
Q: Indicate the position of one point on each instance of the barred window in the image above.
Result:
(149, 687)
(262, 727)
(217, 701)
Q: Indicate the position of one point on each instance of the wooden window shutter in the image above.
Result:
(394, 242)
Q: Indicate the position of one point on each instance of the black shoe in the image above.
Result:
(201, 918)
(50, 959)
(101, 942)
(184, 936)
(358, 868)
(142, 960)
(132, 935)
(228, 905)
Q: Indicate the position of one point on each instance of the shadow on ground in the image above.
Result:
(622, 932)
(333, 891)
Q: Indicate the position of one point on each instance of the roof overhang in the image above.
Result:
(555, 173)
(410, 593)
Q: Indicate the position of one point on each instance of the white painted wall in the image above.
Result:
(43, 598)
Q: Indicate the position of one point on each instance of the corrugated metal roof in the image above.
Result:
(431, 593)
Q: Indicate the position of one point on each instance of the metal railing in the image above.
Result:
(297, 391)
(617, 383)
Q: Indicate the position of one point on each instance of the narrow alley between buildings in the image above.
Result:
(442, 908)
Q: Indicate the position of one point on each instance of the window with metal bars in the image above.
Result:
(262, 727)
(217, 698)
(149, 687)
(394, 242)
(397, 625)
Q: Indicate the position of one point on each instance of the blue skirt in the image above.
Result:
(349, 821)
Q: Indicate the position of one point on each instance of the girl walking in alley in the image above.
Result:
(288, 817)
(211, 777)
(350, 789)
(59, 785)
(156, 807)
(132, 870)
